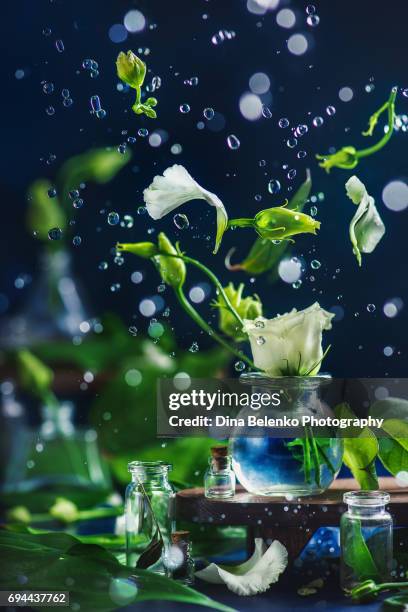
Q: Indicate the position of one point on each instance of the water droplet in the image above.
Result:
(119, 260)
(52, 192)
(181, 221)
(101, 114)
(48, 88)
(184, 108)
(142, 210)
(222, 35)
(95, 103)
(371, 307)
(310, 9)
(260, 340)
(73, 194)
(318, 121)
(266, 112)
(47, 31)
(313, 211)
(301, 154)
(274, 186)
(291, 142)
(128, 221)
(122, 148)
(233, 142)
(283, 122)
(76, 241)
(208, 113)
(194, 347)
(132, 330)
(302, 129)
(297, 284)
(78, 203)
(315, 264)
(291, 174)
(260, 324)
(239, 366)
(330, 110)
(59, 45)
(103, 265)
(143, 132)
(405, 92)
(50, 110)
(262, 163)
(156, 83)
(55, 233)
(67, 102)
(313, 20)
(113, 218)
(65, 93)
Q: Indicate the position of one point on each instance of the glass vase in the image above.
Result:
(300, 466)
(365, 539)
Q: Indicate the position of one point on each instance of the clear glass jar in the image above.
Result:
(219, 479)
(365, 538)
(178, 558)
(149, 479)
(266, 465)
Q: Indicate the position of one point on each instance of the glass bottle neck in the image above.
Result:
(151, 480)
(367, 511)
(219, 464)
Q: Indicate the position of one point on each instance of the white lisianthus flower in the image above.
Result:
(366, 227)
(176, 187)
(289, 344)
(255, 575)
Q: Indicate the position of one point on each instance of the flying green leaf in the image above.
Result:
(360, 450)
(264, 254)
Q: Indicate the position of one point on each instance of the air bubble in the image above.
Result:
(59, 45)
(330, 110)
(318, 121)
(266, 112)
(52, 192)
(283, 122)
(239, 366)
(208, 113)
(194, 347)
(78, 203)
(297, 284)
(103, 265)
(291, 142)
(48, 88)
(260, 340)
(143, 132)
(76, 241)
(315, 264)
(95, 103)
(55, 233)
(313, 20)
(184, 108)
(371, 307)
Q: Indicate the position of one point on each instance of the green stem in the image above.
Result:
(213, 278)
(381, 143)
(315, 457)
(240, 223)
(306, 456)
(191, 311)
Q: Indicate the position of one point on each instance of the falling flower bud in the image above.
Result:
(131, 69)
(34, 375)
(142, 249)
(64, 510)
(248, 308)
(172, 269)
(346, 159)
(18, 514)
(279, 223)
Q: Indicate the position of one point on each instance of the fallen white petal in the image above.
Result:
(255, 575)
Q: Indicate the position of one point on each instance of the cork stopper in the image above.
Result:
(180, 536)
(219, 452)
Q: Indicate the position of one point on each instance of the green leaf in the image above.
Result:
(264, 255)
(360, 451)
(96, 579)
(390, 408)
(356, 553)
(153, 552)
(394, 450)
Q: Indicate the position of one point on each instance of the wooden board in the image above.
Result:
(255, 510)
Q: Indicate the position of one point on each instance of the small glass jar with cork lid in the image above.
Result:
(178, 558)
(219, 479)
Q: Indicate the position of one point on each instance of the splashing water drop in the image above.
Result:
(184, 108)
(313, 20)
(283, 122)
(181, 221)
(113, 218)
(143, 132)
(233, 142)
(239, 366)
(371, 307)
(208, 113)
(52, 192)
(315, 264)
(266, 112)
(103, 265)
(76, 241)
(331, 110)
(55, 233)
(318, 121)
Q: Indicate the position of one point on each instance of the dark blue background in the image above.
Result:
(354, 42)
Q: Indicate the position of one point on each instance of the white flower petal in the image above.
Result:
(290, 343)
(255, 575)
(355, 189)
(176, 187)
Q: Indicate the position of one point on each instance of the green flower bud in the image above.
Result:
(34, 375)
(131, 69)
(172, 269)
(151, 102)
(64, 510)
(142, 249)
(346, 159)
(247, 308)
(18, 514)
(279, 223)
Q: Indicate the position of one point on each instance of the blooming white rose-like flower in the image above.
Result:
(176, 187)
(366, 227)
(255, 575)
(289, 344)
